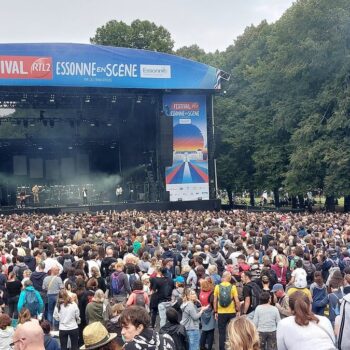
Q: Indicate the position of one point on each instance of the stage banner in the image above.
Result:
(80, 65)
(187, 178)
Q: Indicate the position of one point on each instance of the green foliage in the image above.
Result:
(288, 115)
(138, 35)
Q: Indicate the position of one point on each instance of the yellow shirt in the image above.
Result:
(306, 291)
(231, 309)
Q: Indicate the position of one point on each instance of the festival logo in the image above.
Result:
(25, 67)
(155, 71)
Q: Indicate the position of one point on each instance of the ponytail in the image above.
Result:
(300, 306)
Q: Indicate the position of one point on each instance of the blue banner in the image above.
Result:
(80, 65)
(187, 178)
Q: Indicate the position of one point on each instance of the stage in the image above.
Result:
(80, 122)
(106, 207)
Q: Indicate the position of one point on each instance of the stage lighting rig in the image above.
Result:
(52, 98)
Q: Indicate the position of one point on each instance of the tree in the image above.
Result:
(138, 35)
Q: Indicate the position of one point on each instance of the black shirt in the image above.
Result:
(13, 288)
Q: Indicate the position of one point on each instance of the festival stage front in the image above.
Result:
(105, 128)
(209, 205)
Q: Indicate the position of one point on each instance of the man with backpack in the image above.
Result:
(20, 267)
(67, 261)
(30, 299)
(119, 283)
(226, 306)
(251, 293)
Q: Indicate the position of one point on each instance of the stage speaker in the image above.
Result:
(166, 196)
(166, 140)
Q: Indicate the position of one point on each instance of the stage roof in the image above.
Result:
(83, 65)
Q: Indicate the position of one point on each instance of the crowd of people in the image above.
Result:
(192, 280)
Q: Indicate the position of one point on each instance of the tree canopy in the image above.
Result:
(138, 35)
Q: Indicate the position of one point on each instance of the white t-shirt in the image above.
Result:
(291, 336)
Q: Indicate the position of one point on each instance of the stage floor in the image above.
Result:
(93, 208)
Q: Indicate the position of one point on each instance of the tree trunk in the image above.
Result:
(301, 201)
(230, 197)
(276, 198)
(294, 202)
(330, 205)
(347, 203)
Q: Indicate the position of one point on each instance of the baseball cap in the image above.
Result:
(276, 287)
(179, 279)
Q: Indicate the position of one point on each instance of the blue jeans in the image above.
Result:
(51, 303)
(162, 307)
(193, 338)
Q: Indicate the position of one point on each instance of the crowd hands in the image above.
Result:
(175, 280)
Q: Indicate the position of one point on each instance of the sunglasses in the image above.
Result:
(16, 341)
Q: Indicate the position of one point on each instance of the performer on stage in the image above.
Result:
(35, 191)
(84, 196)
(119, 193)
(22, 199)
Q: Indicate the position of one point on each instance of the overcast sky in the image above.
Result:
(212, 24)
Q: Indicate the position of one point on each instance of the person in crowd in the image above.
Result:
(226, 305)
(13, 288)
(119, 283)
(266, 318)
(135, 323)
(28, 336)
(49, 342)
(191, 316)
(251, 293)
(208, 322)
(95, 273)
(30, 299)
(176, 330)
(97, 337)
(334, 300)
(304, 330)
(6, 331)
(242, 334)
(52, 284)
(343, 320)
(281, 300)
(138, 296)
(98, 309)
(319, 294)
(113, 325)
(67, 314)
(161, 287)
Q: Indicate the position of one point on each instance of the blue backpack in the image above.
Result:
(31, 302)
(117, 283)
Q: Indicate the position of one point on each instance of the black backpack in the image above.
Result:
(255, 295)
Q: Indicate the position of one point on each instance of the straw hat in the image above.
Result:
(96, 335)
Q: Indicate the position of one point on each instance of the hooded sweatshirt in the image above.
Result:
(150, 340)
(190, 316)
(6, 338)
(37, 279)
(178, 333)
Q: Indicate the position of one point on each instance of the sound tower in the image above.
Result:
(166, 140)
